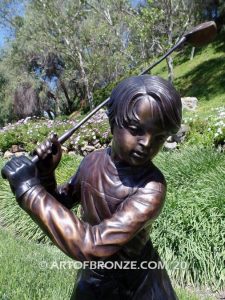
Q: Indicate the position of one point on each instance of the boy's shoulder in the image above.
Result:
(94, 157)
(155, 179)
(96, 154)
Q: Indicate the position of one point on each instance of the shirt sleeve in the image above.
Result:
(68, 193)
(82, 241)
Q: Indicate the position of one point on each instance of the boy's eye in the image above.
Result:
(132, 127)
(135, 129)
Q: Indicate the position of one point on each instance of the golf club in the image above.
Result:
(197, 37)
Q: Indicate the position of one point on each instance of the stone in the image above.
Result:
(180, 135)
(170, 146)
(89, 148)
(8, 154)
(64, 149)
(170, 139)
(95, 142)
(16, 148)
(72, 153)
(20, 153)
(189, 103)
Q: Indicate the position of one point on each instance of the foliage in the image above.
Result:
(28, 132)
(190, 231)
(31, 271)
(167, 21)
(32, 131)
(66, 52)
(56, 45)
(209, 131)
(24, 273)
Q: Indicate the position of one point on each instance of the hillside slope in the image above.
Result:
(203, 76)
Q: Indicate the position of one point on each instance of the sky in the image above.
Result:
(3, 34)
(5, 31)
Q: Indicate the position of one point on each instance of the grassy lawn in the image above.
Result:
(32, 271)
(23, 271)
(202, 77)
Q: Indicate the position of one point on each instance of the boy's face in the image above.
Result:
(141, 140)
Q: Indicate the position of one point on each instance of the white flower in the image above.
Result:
(219, 130)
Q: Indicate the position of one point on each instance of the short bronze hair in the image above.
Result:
(164, 99)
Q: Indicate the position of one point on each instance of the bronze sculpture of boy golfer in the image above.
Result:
(120, 190)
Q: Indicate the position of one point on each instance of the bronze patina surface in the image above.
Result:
(120, 190)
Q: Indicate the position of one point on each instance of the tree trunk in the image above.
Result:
(85, 81)
(169, 59)
(69, 101)
(192, 53)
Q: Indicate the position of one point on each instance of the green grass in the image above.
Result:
(27, 271)
(32, 271)
(203, 77)
(190, 229)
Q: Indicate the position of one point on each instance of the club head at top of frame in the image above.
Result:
(202, 34)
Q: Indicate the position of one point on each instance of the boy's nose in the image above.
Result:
(145, 140)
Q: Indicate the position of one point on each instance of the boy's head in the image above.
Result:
(143, 111)
(165, 101)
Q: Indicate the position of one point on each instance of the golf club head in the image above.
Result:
(202, 34)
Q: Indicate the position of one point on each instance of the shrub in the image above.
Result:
(209, 131)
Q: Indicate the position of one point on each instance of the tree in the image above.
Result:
(82, 44)
(167, 21)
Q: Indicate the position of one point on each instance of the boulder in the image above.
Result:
(189, 103)
(16, 148)
(8, 154)
(180, 135)
(170, 146)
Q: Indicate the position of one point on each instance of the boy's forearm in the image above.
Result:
(62, 193)
(80, 240)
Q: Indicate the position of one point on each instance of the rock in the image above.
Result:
(64, 149)
(189, 103)
(16, 148)
(180, 135)
(89, 148)
(72, 153)
(170, 146)
(97, 146)
(19, 153)
(170, 139)
(95, 142)
(8, 155)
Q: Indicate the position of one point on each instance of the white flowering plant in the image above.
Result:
(29, 132)
(209, 131)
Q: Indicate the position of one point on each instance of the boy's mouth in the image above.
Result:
(139, 154)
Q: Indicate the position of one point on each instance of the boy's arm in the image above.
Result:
(68, 193)
(76, 238)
